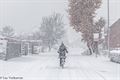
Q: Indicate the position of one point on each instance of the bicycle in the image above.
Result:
(62, 61)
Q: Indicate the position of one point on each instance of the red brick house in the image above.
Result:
(115, 35)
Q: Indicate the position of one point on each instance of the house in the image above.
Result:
(115, 35)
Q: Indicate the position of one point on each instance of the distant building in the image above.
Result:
(115, 35)
(9, 48)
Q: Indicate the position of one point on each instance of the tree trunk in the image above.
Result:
(96, 49)
(90, 49)
(49, 48)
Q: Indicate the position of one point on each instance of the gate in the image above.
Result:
(24, 48)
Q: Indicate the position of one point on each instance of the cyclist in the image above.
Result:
(62, 53)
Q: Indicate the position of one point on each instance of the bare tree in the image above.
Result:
(51, 30)
(7, 31)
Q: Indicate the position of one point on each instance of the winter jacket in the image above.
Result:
(62, 51)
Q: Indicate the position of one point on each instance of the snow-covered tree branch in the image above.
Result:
(7, 31)
(51, 30)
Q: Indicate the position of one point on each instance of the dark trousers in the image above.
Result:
(62, 59)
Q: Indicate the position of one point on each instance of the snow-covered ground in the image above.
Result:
(46, 67)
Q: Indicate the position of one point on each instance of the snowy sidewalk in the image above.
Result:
(46, 67)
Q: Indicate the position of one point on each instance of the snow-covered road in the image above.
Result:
(46, 67)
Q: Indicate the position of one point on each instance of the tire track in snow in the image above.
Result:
(90, 75)
(58, 73)
(38, 69)
(77, 71)
(92, 71)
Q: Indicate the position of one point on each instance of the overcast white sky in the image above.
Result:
(25, 15)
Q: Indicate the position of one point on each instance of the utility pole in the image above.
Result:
(108, 31)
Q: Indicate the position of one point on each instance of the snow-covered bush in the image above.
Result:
(86, 52)
(104, 52)
(115, 56)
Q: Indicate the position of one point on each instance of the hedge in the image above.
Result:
(115, 56)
